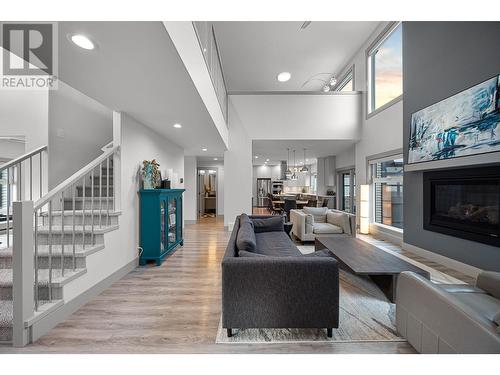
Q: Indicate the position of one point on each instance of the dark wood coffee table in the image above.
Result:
(362, 258)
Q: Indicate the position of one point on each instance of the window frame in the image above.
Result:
(348, 76)
(370, 64)
(373, 180)
(351, 171)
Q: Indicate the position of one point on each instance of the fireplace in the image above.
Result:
(464, 203)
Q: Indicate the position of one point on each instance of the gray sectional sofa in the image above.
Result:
(443, 318)
(268, 283)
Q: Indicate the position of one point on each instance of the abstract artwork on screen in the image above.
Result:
(467, 123)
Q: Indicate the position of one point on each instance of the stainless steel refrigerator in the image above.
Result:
(263, 188)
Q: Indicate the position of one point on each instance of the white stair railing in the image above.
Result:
(23, 178)
(67, 237)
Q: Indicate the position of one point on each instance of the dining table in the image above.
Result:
(300, 204)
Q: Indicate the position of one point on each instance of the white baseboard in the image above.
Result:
(43, 326)
(464, 268)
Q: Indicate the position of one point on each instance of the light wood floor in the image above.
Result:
(174, 308)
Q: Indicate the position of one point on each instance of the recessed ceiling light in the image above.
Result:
(284, 76)
(177, 126)
(82, 41)
(216, 158)
(256, 157)
(267, 160)
(204, 149)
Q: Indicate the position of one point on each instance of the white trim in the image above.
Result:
(464, 268)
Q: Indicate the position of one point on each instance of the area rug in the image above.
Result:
(365, 315)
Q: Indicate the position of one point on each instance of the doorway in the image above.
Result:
(207, 193)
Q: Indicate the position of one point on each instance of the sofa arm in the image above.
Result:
(280, 292)
(298, 219)
(434, 321)
(489, 282)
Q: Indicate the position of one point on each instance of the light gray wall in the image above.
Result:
(79, 127)
(441, 59)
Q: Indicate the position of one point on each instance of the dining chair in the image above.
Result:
(290, 204)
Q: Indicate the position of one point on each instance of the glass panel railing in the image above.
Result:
(208, 44)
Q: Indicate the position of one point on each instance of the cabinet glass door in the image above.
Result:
(163, 225)
(179, 217)
(172, 221)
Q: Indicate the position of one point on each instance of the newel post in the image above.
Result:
(23, 271)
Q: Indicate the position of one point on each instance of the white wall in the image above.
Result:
(296, 116)
(138, 142)
(346, 158)
(380, 133)
(79, 127)
(11, 149)
(237, 169)
(191, 184)
(219, 166)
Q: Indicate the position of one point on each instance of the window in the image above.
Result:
(347, 83)
(347, 192)
(3, 191)
(387, 181)
(385, 69)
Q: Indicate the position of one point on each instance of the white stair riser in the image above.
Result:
(102, 219)
(43, 238)
(88, 191)
(68, 204)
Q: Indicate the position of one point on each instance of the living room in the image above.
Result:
(255, 187)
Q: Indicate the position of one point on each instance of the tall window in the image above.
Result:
(385, 69)
(387, 180)
(3, 191)
(347, 83)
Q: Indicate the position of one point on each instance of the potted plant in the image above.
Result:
(150, 173)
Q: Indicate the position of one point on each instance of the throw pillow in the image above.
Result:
(319, 213)
(245, 240)
(271, 224)
(339, 219)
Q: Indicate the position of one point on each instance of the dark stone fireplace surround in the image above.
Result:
(463, 203)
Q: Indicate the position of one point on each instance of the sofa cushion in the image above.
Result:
(325, 253)
(271, 224)
(339, 219)
(249, 254)
(318, 213)
(245, 240)
(276, 244)
(326, 228)
(483, 306)
(496, 319)
(489, 281)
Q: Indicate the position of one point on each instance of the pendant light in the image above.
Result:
(288, 173)
(294, 176)
(304, 169)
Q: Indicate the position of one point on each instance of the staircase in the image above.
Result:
(70, 224)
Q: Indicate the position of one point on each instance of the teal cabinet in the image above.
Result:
(160, 223)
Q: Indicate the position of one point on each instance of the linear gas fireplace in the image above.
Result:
(464, 203)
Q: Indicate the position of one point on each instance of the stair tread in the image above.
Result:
(69, 212)
(78, 228)
(43, 276)
(43, 250)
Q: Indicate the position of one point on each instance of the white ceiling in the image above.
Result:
(136, 69)
(276, 150)
(253, 53)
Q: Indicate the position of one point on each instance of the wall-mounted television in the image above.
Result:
(467, 123)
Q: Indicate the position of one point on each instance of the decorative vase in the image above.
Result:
(148, 178)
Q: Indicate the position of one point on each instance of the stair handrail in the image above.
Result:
(22, 158)
(75, 177)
